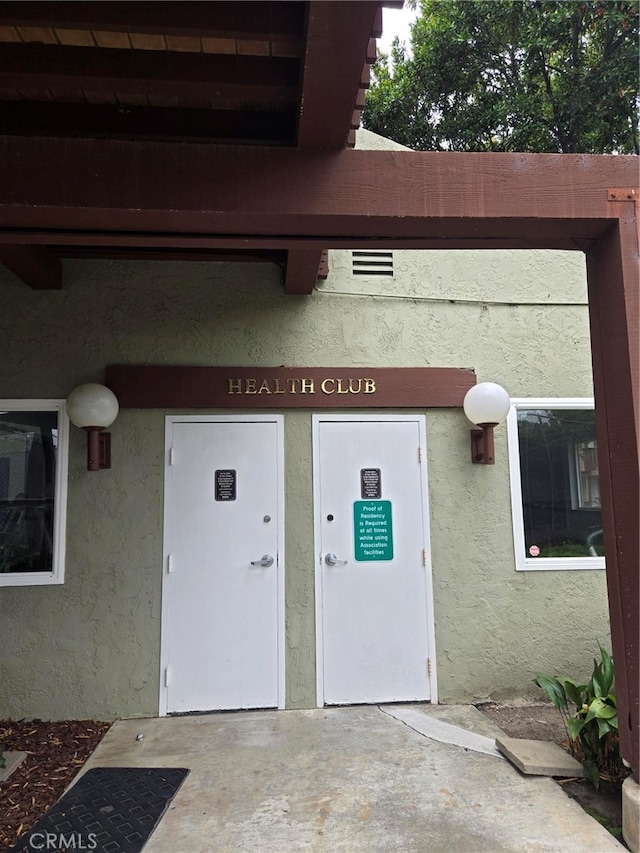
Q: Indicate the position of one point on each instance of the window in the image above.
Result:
(33, 485)
(555, 489)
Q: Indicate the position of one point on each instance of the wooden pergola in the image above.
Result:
(108, 152)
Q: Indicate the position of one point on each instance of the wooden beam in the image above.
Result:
(259, 387)
(220, 256)
(302, 271)
(107, 241)
(35, 265)
(255, 20)
(338, 40)
(614, 308)
(323, 267)
(52, 118)
(88, 185)
(266, 81)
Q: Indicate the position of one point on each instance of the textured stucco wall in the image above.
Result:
(91, 646)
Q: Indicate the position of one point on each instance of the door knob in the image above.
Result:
(332, 560)
(265, 562)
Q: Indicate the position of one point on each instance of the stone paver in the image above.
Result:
(539, 757)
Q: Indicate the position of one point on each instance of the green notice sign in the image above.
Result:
(372, 529)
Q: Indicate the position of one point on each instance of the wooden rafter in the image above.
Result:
(302, 271)
(260, 20)
(35, 265)
(67, 71)
(332, 72)
(162, 123)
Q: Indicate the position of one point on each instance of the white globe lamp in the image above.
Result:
(486, 404)
(94, 407)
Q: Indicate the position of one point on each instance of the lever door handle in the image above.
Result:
(265, 562)
(332, 560)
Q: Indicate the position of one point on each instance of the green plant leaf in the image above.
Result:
(600, 710)
(597, 680)
(604, 727)
(553, 690)
(574, 692)
(591, 770)
(607, 670)
(574, 727)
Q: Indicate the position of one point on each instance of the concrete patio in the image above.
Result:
(345, 779)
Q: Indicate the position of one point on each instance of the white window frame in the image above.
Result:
(525, 563)
(56, 576)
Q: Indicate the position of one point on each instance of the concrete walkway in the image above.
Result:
(345, 779)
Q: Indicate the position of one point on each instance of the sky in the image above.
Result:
(395, 22)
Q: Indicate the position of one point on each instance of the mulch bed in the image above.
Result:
(56, 752)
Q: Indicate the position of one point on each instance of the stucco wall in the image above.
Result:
(91, 646)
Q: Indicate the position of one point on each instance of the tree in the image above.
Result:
(512, 75)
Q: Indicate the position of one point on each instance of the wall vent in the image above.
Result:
(373, 262)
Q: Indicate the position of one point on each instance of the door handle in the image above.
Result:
(332, 560)
(265, 562)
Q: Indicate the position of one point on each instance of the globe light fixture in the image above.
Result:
(93, 408)
(486, 404)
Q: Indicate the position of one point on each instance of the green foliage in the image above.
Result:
(513, 75)
(593, 727)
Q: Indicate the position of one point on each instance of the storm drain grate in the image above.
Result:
(109, 810)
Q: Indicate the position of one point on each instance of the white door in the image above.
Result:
(375, 615)
(222, 602)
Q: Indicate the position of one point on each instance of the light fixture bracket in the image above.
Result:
(482, 445)
(98, 449)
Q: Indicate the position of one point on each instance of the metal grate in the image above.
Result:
(373, 262)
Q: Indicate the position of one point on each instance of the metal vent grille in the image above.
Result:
(376, 262)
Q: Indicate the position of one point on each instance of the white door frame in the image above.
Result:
(170, 420)
(422, 431)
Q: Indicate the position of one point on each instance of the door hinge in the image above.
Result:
(167, 676)
(419, 454)
(425, 557)
(171, 456)
(170, 563)
(429, 666)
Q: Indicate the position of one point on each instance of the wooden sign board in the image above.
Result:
(169, 387)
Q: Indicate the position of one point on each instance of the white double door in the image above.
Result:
(374, 609)
(223, 598)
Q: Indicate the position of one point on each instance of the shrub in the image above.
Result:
(592, 728)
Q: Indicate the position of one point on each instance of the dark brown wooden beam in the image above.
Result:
(261, 80)
(323, 267)
(108, 240)
(252, 20)
(50, 118)
(614, 309)
(213, 256)
(36, 266)
(338, 40)
(182, 386)
(302, 271)
(105, 185)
